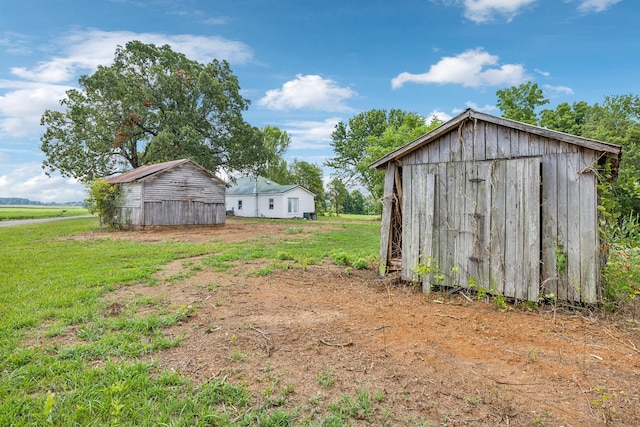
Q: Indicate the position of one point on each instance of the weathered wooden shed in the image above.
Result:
(179, 192)
(496, 204)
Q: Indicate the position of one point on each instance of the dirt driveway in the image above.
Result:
(318, 335)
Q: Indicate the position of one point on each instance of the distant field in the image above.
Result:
(33, 212)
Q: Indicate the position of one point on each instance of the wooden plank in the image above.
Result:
(385, 228)
(456, 144)
(524, 144)
(521, 272)
(560, 246)
(513, 251)
(410, 230)
(427, 229)
(479, 140)
(468, 138)
(491, 141)
(483, 221)
(504, 143)
(549, 212)
(434, 151)
(532, 227)
(534, 142)
(467, 266)
(589, 245)
(461, 252)
(433, 169)
(441, 216)
(573, 228)
(450, 224)
(426, 152)
(417, 190)
(497, 221)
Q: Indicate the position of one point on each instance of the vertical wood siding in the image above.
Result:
(504, 209)
(176, 212)
(183, 195)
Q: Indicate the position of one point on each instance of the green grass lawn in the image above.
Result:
(52, 280)
(36, 211)
(51, 284)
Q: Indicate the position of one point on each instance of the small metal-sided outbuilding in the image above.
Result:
(487, 202)
(178, 192)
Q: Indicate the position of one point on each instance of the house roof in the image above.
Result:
(606, 148)
(144, 172)
(247, 185)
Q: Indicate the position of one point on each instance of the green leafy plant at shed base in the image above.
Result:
(103, 198)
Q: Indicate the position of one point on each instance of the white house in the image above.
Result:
(259, 197)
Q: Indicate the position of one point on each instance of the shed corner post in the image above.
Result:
(385, 228)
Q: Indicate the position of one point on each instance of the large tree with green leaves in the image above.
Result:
(271, 163)
(350, 140)
(520, 102)
(355, 203)
(309, 176)
(369, 136)
(337, 193)
(151, 105)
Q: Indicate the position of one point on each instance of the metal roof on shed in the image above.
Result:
(143, 172)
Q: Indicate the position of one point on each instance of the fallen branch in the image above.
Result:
(447, 315)
(507, 382)
(330, 344)
(465, 295)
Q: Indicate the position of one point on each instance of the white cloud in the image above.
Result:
(472, 68)
(440, 115)
(481, 11)
(556, 91)
(311, 92)
(310, 134)
(587, 6)
(485, 108)
(85, 50)
(22, 107)
(542, 73)
(29, 182)
(489, 109)
(15, 43)
(218, 20)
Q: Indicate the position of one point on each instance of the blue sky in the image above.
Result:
(305, 65)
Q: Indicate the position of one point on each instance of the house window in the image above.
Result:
(271, 204)
(292, 205)
(239, 205)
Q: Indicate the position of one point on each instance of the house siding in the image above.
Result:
(306, 204)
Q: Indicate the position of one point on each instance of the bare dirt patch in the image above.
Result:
(319, 334)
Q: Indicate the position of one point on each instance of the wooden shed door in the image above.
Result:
(479, 221)
(514, 239)
(418, 195)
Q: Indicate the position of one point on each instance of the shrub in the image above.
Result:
(103, 198)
